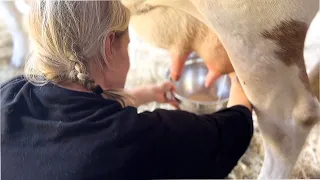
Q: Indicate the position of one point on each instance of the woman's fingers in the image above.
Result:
(232, 75)
(168, 88)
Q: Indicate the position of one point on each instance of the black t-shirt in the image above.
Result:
(51, 133)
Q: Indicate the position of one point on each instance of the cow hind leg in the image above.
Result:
(284, 140)
(289, 109)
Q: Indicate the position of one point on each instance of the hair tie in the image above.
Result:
(97, 90)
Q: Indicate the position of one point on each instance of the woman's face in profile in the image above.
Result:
(123, 50)
(120, 61)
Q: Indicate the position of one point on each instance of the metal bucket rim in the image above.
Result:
(182, 98)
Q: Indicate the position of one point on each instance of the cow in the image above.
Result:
(263, 42)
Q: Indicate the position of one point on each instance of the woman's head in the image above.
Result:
(74, 40)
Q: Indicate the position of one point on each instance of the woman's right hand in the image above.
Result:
(237, 95)
(159, 92)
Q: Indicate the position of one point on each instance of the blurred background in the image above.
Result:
(149, 65)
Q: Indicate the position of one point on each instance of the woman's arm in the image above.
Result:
(151, 93)
(192, 146)
(142, 95)
(237, 95)
(205, 146)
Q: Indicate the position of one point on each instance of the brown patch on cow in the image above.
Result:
(290, 37)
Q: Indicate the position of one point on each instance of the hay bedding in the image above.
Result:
(149, 66)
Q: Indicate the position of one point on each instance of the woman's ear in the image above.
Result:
(109, 43)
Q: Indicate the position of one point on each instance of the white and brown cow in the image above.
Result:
(264, 40)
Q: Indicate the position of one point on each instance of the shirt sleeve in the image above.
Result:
(186, 145)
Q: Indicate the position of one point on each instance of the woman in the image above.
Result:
(67, 117)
